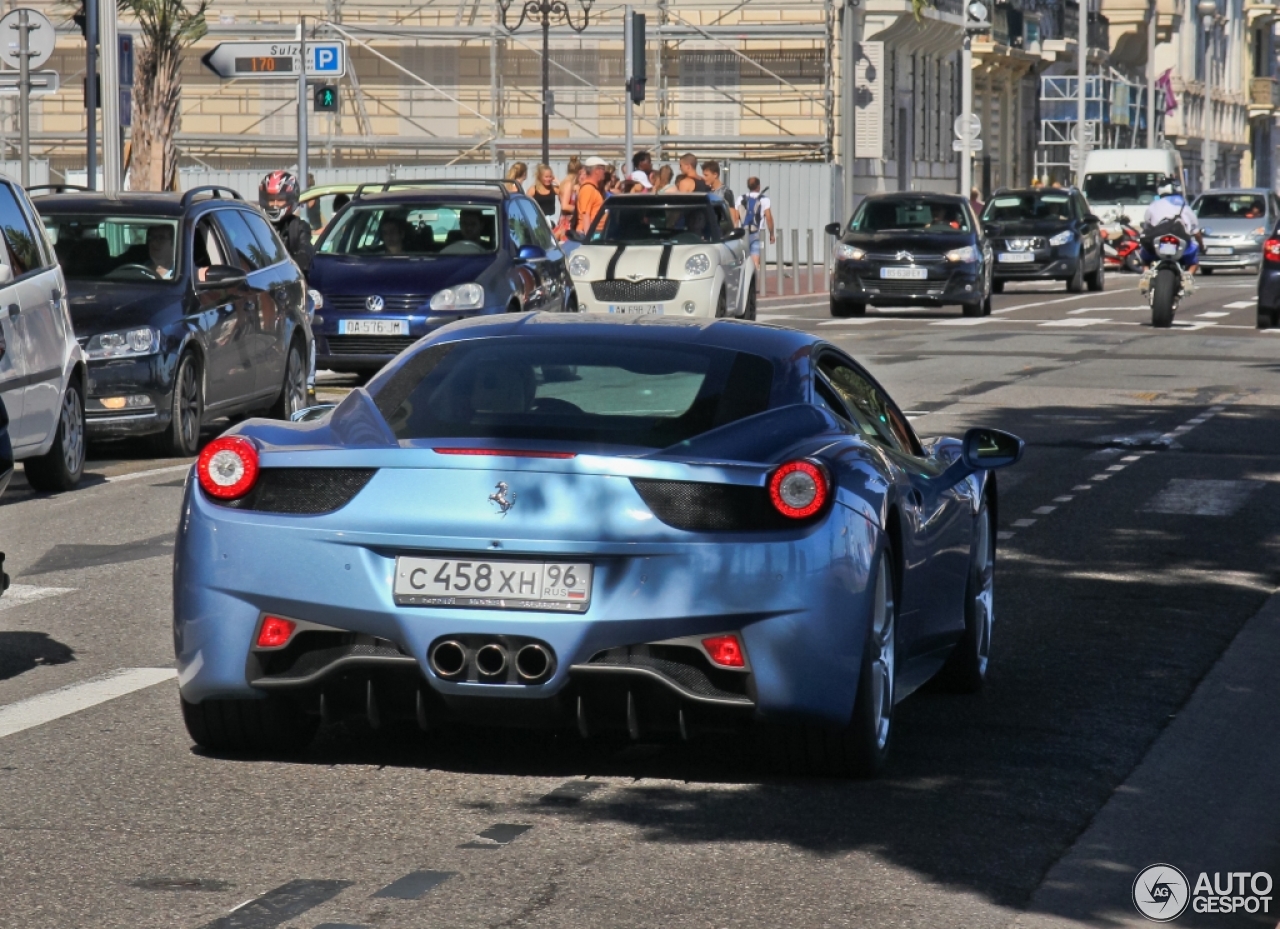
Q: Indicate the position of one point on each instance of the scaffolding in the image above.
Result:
(1115, 117)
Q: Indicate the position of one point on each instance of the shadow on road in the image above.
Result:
(20, 652)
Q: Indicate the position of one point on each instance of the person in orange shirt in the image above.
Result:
(590, 195)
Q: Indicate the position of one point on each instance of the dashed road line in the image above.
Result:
(46, 707)
(280, 905)
(498, 836)
(18, 594)
(415, 884)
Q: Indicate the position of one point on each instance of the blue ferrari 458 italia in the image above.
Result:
(650, 525)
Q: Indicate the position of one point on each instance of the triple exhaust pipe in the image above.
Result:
(491, 661)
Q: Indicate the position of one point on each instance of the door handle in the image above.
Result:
(55, 295)
(14, 310)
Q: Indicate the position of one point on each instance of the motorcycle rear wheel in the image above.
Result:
(1164, 291)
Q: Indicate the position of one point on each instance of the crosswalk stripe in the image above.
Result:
(19, 594)
(46, 707)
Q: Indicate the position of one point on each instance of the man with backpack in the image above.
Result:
(756, 211)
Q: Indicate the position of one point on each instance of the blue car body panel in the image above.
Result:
(799, 596)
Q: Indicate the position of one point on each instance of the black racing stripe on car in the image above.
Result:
(613, 263)
(39, 377)
(665, 261)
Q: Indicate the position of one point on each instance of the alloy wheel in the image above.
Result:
(984, 595)
(72, 428)
(882, 660)
(189, 405)
(295, 384)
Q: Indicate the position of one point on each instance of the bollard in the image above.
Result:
(809, 254)
(764, 263)
(795, 261)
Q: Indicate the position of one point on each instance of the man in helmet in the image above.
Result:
(278, 197)
(1172, 208)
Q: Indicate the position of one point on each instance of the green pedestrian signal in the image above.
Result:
(326, 99)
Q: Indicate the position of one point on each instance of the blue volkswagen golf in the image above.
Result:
(408, 257)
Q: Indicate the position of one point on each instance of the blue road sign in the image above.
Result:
(326, 58)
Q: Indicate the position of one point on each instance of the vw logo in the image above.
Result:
(906, 256)
(374, 304)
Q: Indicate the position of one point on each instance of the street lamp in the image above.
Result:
(1208, 11)
(545, 11)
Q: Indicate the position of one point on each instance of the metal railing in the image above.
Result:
(796, 263)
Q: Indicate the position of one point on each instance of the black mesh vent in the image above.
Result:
(906, 288)
(687, 666)
(369, 344)
(648, 291)
(697, 507)
(313, 651)
(391, 303)
(302, 491)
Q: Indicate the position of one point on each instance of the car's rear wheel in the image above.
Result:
(966, 669)
(843, 309)
(182, 438)
(1268, 319)
(293, 392)
(268, 726)
(1098, 279)
(750, 312)
(997, 287)
(972, 309)
(61, 467)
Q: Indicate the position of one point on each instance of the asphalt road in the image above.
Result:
(1138, 538)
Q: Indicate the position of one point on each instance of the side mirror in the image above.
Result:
(735, 234)
(1090, 218)
(832, 229)
(985, 449)
(319, 411)
(531, 253)
(220, 276)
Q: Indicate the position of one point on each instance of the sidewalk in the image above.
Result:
(1206, 798)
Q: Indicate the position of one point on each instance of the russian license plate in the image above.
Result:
(637, 309)
(1017, 257)
(904, 274)
(1219, 251)
(373, 327)
(497, 585)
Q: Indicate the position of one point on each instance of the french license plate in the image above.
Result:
(1219, 251)
(904, 274)
(1017, 257)
(563, 586)
(373, 327)
(638, 309)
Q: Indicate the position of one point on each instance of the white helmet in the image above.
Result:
(1167, 187)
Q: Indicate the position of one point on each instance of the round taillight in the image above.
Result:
(228, 467)
(798, 489)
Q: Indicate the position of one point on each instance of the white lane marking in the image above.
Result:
(38, 710)
(1066, 498)
(19, 594)
(1044, 510)
(966, 321)
(1027, 306)
(1083, 486)
(1100, 477)
(853, 322)
(1212, 409)
(139, 475)
(1111, 309)
(1189, 497)
(1023, 523)
(1212, 315)
(769, 317)
(1075, 323)
(1131, 458)
(1005, 536)
(1117, 467)
(1238, 305)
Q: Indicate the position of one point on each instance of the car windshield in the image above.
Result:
(137, 249)
(1121, 187)
(1012, 208)
(591, 391)
(891, 214)
(413, 231)
(1231, 206)
(633, 221)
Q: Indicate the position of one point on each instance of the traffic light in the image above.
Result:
(326, 98)
(977, 16)
(635, 67)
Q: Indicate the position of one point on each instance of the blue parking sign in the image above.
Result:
(326, 58)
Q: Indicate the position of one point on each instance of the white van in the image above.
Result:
(1122, 181)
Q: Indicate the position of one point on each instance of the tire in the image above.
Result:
(972, 309)
(1098, 279)
(861, 748)
(1075, 283)
(722, 306)
(293, 392)
(749, 313)
(966, 669)
(182, 437)
(61, 468)
(270, 726)
(1268, 319)
(997, 287)
(844, 309)
(571, 302)
(1204, 270)
(1132, 263)
(986, 305)
(1163, 291)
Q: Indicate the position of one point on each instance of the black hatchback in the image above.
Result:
(1045, 234)
(911, 249)
(404, 258)
(187, 306)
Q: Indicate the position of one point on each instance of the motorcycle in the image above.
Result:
(1166, 282)
(1122, 248)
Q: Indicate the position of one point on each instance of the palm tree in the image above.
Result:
(166, 28)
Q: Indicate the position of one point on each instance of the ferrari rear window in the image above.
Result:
(593, 392)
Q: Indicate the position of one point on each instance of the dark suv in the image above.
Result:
(188, 307)
(404, 258)
(1045, 234)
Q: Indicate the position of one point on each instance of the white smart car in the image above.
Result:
(669, 255)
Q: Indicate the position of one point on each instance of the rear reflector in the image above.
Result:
(275, 632)
(1271, 250)
(503, 453)
(726, 651)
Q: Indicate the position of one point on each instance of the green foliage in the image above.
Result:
(173, 23)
